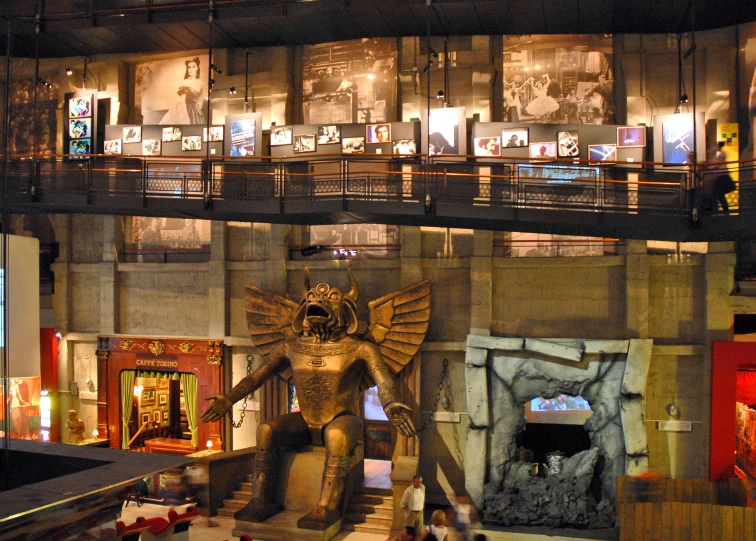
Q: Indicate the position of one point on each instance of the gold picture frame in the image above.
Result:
(157, 416)
(145, 417)
(165, 416)
(162, 399)
(163, 383)
(148, 396)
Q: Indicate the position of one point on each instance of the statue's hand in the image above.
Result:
(221, 406)
(401, 417)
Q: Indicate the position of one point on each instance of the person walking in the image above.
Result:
(413, 503)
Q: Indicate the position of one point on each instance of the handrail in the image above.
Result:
(141, 429)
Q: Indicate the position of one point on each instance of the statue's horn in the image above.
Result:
(306, 281)
(355, 291)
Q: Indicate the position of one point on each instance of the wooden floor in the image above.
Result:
(377, 473)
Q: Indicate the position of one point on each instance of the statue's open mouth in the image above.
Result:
(317, 314)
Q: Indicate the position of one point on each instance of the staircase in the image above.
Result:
(239, 498)
(371, 510)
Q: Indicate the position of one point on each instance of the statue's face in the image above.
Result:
(324, 305)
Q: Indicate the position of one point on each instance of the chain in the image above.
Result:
(456, 426)
(438, 397)
(250, 358)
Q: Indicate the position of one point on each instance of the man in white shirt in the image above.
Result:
(413, 502)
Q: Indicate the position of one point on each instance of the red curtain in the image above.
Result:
(746, 390)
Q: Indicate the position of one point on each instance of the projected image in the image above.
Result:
(514, 137)
(487, 146)
(543, 151)
(601, 153)
(80, 107)
(379, 133)
(567, 142)
(373, 408)
(559, 403)
(80, 146)
(631, 137)
(443, 127)
(677, 139)
(243, 137)
(561, 409)
(80, 127)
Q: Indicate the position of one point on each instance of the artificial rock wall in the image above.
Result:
(503, 374)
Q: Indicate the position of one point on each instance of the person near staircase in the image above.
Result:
(413, 503)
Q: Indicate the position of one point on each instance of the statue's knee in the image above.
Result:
(265, 435)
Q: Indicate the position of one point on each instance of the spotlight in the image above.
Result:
(212, 83)
(684, 98)
(216, 69)
(69, 71)
(441, 95)
(689, 52)
(432, 51)
(311, 250)
(427, 67)
(232, 90)
(42, 82)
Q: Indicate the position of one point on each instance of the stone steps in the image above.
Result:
(370, 511)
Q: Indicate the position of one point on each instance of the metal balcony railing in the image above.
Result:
(277, 188)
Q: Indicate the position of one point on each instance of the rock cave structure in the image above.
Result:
(502, 375)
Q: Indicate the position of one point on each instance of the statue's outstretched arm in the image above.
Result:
(274, 363)
(399, 414)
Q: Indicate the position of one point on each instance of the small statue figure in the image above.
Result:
(76, 427)
(331, 365)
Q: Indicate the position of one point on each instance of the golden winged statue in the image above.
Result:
(331, 365)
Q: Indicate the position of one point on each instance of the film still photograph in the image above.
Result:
(216, 133)
(113, 147)
(132, 134)
(328, 135)
(353, 145)
(280, 135)
(151, 147)
(567, 144)
(191, 142)
(404, 147)
(171, 134)
(304, 143)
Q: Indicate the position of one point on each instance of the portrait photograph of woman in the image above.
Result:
(173, 92)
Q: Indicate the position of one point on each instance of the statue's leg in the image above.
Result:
(284, 431)
(340, 437)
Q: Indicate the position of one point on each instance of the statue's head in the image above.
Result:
(325, 311)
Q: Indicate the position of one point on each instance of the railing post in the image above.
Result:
(144, 183)
(88, 180)
(207, 184)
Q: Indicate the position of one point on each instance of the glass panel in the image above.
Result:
(373, 408)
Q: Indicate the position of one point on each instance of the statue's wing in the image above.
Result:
(399, 322)
(268, 318)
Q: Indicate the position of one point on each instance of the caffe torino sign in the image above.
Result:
(162, 364)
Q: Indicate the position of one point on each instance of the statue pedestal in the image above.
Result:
(300, 479)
